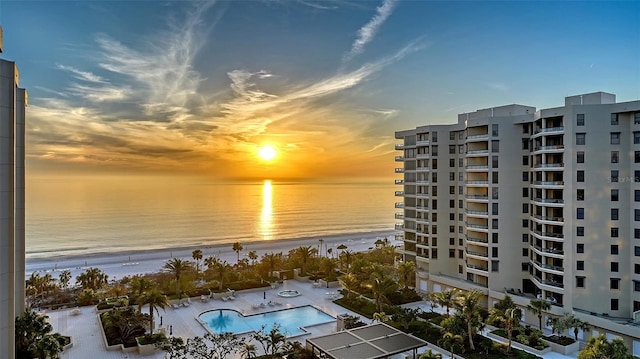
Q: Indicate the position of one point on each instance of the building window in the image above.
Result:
(460, 162)
(636, 251)
(636, 195)
(636, 214)
(494, 223)
(434, 253)
(460, 254)
(636, 158)
(636, 137)
(524, 266)
(636, 233)
(580, 231)
(525, 144)
(614, 175)
(615, 266)
(494, 209)
(525, 252)
(580, 194)
(615, 138)
(434, 150)
(615, 195)
(614, 283)
(452, 189)
(434, 177)
(494, 177)
(525, 176)
(580, 282)
(434, 137)
(525, 238)
(495, 266)
(615, 156)
(494, 193)
(580, 176)
(494, 161)
(452, 149)
(525, 160)
(495, 146)
(579, 247)
(614, 249)
(452, 176)
(614, 304)
(580, 265)
(525, 192)
(525, 208)
(452, 136)
(614, 119)
(452, 241)
(452, 217)
(452, 203)
(460, 149)
(452, 253)
(636, 118)
(580, 213)
(614, 232)
(525, 128)
(580, 157)
(525, 223)
(636, 288)
(636, 268)
(494, 237)
(581, 138)
(494, 252)
(614, 214)
(452, 162)
(494, 130)
(434, 163)
(580, 119)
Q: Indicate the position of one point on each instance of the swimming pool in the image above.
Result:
(291, 320)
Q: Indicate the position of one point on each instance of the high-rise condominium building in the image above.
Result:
(543, 204)
(12, 250)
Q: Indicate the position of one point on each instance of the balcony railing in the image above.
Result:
(399, 170)
(477, 167)
(474, 266)
(477, 196)
(399, 205)
(477, 226)
(474, 137)
(548, 200)
(547, 218)
(478, 254)
(476, 182)
(399, 158)
(549, 282)
(551, 147)
(399, 215)
(399, 146)
(482, 213)
(549, 250)
(422, 143)
(548, 234)
(548, 165)
(478, 152)
(549, 183)
(477, 240)
(547, 266)
(398, 181)
(399, 226)
(550, 129)
(399, 193)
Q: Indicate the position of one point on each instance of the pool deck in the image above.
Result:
(88, 343)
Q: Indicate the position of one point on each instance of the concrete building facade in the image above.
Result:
(530, 203)
(12, 187)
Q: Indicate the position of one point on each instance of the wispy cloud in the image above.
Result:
(368, 31)
(82, 75)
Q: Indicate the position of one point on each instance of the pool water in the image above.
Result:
(291, 321)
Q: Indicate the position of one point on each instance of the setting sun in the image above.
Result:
(267, 152)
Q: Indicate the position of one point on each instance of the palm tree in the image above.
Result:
(237, 247)
(304, 254)
(538, 307)
(346, 255)
(577, 324)
(468, 306)
(380, 287)
(92, 278)
(406, 272)
(349, 282)
(139, 285)
(155, 299)
(510, 319)
(271, 260)
(451, 341)
(600, 348)
(178, 268)
(253, 256)
(444, 298)
(429, 354)
(380, 317)
(248, 351)
(64, 279)
(197, 256)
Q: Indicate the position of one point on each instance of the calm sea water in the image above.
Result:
(80, 216)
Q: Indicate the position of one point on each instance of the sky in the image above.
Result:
(198, 87)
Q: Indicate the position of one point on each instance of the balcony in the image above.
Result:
(477, 254)
(477, 183)
(481, 137)
(548, 218)
(399, 216)
(477, 167)
(548, 234)
(422, 208)
(549, 130)
(549, 149)
(399, 170)
(475, 153)
(422, 195)
(399, 226)
(422, 143)
(422, 168)
(549, 267)
(399, 205)
(474, 197)
(399, 147)
(479, 213)
(548, 250)
(422, 181)
(399, 193)
(548, 282)
(549, 183)
(399, 158)
(477, 240)
(422, 220)
(477, 226)
(477, 267)
(548, 165)
(422, 155)
(399, 181)
(553, 202)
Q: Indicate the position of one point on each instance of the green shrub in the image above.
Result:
(561, 340)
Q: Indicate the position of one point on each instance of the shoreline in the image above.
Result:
(131, 262)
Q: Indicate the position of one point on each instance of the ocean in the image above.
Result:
(78, 216)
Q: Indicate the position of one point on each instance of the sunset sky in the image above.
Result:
(199, 87)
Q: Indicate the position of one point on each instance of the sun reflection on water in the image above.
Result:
(266, 217)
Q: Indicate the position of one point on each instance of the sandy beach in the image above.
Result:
(126, 263)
